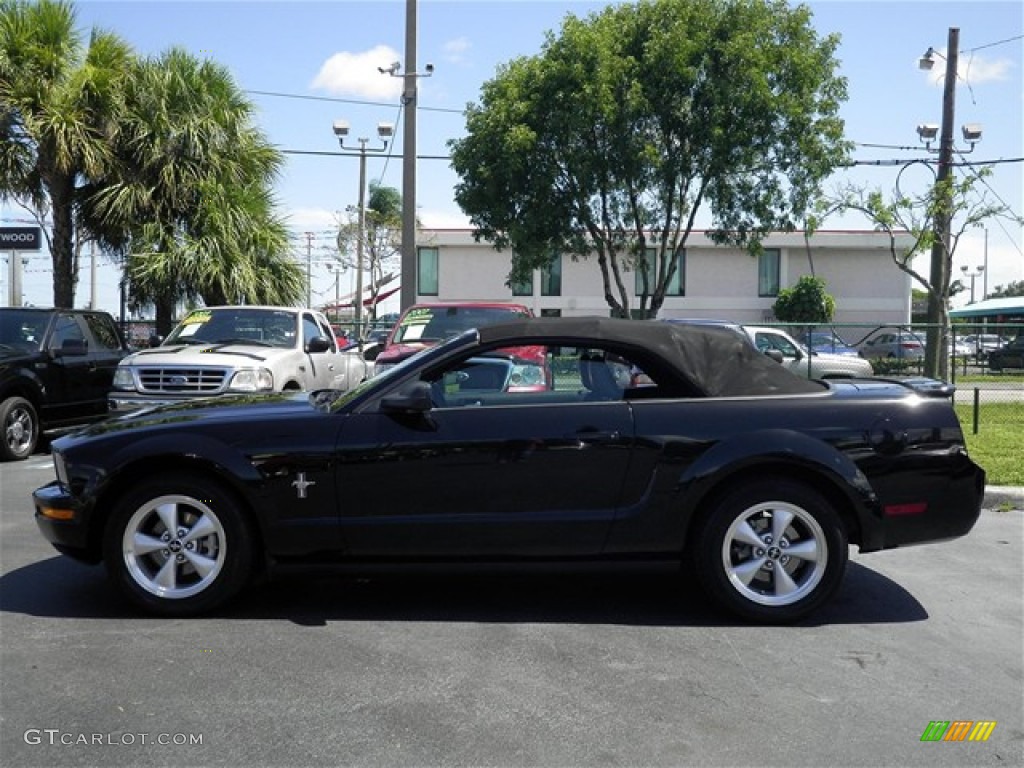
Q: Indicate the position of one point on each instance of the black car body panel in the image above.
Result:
(411, 468)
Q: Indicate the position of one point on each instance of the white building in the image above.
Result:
(715, 281)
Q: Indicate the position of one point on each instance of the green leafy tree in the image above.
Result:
(192, 193)
(60, 107)
(382, 239)
(806, 302)
(610, 141)
(966, 200)
(1016, 288)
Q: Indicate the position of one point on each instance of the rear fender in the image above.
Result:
(778, 452)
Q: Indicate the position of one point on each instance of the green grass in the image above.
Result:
(997, 446)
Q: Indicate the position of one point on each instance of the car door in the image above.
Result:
(486, 472)
(323, 367)
(105, 350)
(68, 375)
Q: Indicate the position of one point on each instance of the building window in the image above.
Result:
(768, 272)
(551, 313)
(676, 285)
(523, 287)
(551, 277)
(426, 271)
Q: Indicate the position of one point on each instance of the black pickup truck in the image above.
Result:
(56, 369)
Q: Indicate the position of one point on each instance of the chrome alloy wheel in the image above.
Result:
(775, 553)
(19, 430)
(174, 546)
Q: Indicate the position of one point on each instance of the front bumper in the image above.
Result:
(64, 522)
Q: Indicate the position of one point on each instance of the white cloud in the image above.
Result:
(357, 74)
(442, 219)
(971, 69)
(455, 50)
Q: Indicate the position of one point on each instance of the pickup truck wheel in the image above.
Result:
(771, 551)
(178, 546)
(20, 429)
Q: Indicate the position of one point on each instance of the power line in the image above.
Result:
(303, 97)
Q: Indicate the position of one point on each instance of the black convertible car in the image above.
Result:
(628, 442)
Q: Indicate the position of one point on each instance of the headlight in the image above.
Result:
(60, 467)
(252, 380)
(123, 378)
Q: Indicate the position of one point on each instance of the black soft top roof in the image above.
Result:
(715, 361)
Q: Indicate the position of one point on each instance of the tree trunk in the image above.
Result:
(164, 315)
(61, 192)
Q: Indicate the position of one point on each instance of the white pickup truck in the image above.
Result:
(238, 350)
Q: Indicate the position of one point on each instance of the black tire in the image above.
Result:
(739, 554)
(195, 568)
(19, 429)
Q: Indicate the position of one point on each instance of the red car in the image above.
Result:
(424, 325)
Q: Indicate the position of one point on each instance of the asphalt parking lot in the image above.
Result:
(512, 670)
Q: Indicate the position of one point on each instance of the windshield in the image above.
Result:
(248, 325)
(433, 324)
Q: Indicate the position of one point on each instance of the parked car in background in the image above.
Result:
(56, 371)
(898, 345)
(811, 363)
(424, 325)
(828, 341)
(238, 350)
(980, 344)
(723, 460)
(792, 355)
(1009, 355)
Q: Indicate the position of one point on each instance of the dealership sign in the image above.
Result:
(20, 239)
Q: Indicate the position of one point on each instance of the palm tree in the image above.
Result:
(193, 191)
(59, 108)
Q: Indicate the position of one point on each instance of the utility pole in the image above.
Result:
(309, 268)
(936, 359)
(408, 294)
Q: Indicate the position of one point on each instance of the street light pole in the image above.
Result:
(357, 301)
(967, 273)
(936, 362)
(384, 131)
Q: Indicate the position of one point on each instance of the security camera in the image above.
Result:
(430, 69)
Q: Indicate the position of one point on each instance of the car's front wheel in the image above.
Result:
(771, 551)
(178, 546)
(20, 429)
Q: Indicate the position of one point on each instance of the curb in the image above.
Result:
(997, 496)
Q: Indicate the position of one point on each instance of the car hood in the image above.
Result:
(394, 353)
(217, 410)
(204, 354)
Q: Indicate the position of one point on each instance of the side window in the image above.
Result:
(310, 329)
(104, 332)
(67, 333)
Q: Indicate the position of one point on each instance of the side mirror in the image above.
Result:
(412, 399)
(775, 355)
(71, 348)
(155, 340)
(318, 344)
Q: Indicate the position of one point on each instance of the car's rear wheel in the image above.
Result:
(20, 426)
(771, 551)
(178, 546)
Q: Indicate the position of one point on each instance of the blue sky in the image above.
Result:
(320, 60)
